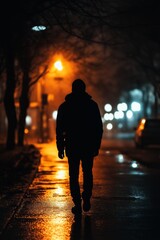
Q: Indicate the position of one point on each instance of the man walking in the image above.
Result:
(79, 132)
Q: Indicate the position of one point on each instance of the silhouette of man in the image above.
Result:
(79, 132)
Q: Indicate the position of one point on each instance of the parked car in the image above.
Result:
(147, 132)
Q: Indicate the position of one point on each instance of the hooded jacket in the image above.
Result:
(79, 126)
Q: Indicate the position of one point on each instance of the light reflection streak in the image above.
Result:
(53, 173)
(59, 191)
(137, 173)
(57, 227)
(134, 164)
(61, 174)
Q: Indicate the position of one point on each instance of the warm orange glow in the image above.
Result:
(59, 190)
(61, 174)
(53, 204)
(141, 126)
(26, 131)
(58, 65)
(61, 67)
(62, 70)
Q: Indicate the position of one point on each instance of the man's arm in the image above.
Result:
(60, 133)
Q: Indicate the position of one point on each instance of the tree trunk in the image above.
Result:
(24, 104)
(9, 98)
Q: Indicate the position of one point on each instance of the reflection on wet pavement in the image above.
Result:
(121, 204)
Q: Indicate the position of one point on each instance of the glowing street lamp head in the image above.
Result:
(39, 28)
(58, 65)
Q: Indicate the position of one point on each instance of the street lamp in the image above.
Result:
(58, 67)
(39, 28)
(44, 131)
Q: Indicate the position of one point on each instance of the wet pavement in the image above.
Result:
(17, 170)
(125, 202)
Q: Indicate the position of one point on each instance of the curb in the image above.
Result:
(16, 180)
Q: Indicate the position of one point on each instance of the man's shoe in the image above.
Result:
(77, 210)
(86, 205)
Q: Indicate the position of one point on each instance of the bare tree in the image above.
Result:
(131, 26)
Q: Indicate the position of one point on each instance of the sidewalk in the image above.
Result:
(18, 168)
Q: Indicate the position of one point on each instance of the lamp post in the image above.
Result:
(44, 131)
(44, 115)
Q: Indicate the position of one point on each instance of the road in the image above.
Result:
(125, 202)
